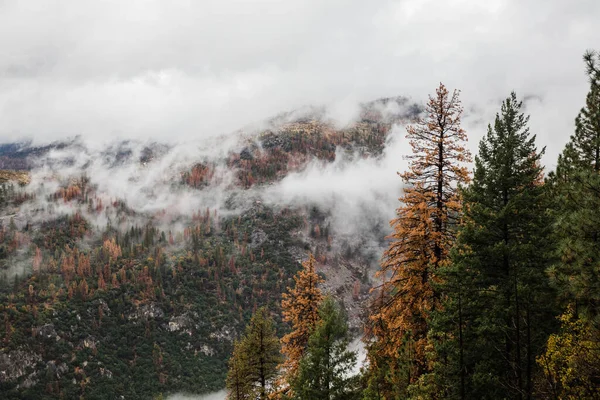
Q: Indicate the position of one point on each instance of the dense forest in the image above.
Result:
(489, 288)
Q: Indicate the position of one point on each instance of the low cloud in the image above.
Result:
(360, 193)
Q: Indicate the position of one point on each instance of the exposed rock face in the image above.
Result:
(182, 322)
(57, 369)
(88, 343)
(299, 254)
(207, 350)
(146, 312)
(105, 372)
(258, 237)
(47, 332)
(226, 333)
(99, 304)
(16, 364)
(29, 382)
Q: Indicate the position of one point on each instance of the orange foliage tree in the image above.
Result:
(300, 308)
(37, 260)
(112, 249)
(423, 234)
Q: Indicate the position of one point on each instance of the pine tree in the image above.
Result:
(586, 141)
(237, 382)
(253, 365)
(498, 307)
(382, 373)
(577, 188)
(423, 234)
(300, 308)
(263, 351)
(325, 369)
(572, 355)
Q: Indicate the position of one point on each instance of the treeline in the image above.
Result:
(490, 287)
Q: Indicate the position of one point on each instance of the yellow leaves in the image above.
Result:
(572, 358)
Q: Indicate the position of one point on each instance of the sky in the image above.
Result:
(178, 71)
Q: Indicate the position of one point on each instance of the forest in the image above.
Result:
(489, 287)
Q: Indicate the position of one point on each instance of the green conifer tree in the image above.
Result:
(237, 382)
(253, 365)
(576, 184)
(497, 310)
(325, 369)
(571, 359)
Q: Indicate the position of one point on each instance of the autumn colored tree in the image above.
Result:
(67, 266)
(300, 309)
(37, 260)
(424, 230)
(571, 361)
(112, 249)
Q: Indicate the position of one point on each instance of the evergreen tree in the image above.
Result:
(423, 234)
(577, 188)
(324, 371)
(586, 140)
(237, 382)
(572, 355)
(382, 372)
(263, 351)
(498, 307)
(300, 308)
(253, 365)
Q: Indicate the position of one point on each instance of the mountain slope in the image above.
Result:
(129, 270)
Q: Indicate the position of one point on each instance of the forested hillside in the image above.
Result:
(105, 296)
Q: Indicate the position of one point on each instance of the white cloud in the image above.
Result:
(361, 193)
(181, 70)
(221, 395)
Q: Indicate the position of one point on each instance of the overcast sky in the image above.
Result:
(183, 70)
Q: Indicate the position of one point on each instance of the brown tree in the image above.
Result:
(300, 308)
(423, 233)
(37, 260)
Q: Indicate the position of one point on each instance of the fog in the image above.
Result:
(212, 396)
(360, 193)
